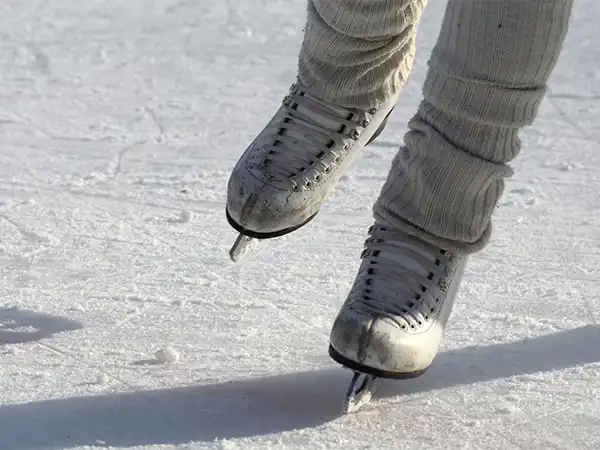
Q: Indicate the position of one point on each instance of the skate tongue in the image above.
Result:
(324, 119)
(416, 261)
(316, 119)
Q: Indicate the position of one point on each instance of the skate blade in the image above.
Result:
(241, 247)
(360, 392)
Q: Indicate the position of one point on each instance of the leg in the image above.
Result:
(487, 77)
(358, 53)
(355, 58)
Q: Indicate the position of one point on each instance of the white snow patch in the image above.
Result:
(102, 379)
(167, 355)
(186, 216)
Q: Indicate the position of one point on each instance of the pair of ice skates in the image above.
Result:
(393, 320)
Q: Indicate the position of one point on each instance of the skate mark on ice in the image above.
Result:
(80, 362)
(28, 235)
(19, 327)
(22, 120)
(17, 118)
(161, 129)
(567, 96)
(110, 240)
(31, 188)
(269, 404)
(115, 165)
(568, 120)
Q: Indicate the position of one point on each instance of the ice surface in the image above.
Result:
(116, 116)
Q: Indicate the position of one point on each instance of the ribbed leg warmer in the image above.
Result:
(487, 77)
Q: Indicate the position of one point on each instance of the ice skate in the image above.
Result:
(282, 179)
(393, 320)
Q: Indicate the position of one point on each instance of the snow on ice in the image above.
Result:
(118, 119)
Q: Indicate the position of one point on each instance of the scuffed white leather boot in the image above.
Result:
(285, 175)
(392, 322)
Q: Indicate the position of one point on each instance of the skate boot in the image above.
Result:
(284, 176)
(394, 317)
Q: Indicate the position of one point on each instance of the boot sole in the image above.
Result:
(357, 367)
(280, 233)
(270, 235)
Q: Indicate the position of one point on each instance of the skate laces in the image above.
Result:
(402, 278)
(313, 135)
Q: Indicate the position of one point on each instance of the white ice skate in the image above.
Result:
(393, 320)
(282, 179)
